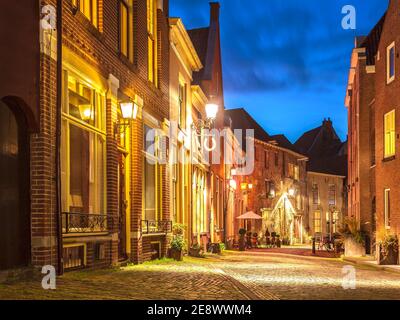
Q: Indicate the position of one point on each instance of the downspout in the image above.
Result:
(58, 139)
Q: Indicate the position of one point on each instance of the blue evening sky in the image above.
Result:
(286, 62)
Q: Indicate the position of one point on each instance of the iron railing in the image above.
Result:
(84, 223)
(161, 226)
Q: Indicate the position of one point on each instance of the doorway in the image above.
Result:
(14, 191)
(123, 204)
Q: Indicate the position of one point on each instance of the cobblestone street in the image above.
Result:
(233, 276)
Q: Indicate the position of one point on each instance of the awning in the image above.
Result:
(250, 216)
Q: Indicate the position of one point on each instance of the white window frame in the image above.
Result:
(392, 153)
(98, 130)
(390, 79)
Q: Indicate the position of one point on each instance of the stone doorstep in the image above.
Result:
(369, 261)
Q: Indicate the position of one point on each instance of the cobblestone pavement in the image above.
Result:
(233, 276)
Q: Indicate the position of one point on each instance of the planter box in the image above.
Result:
(176, 254)
(353, 248)
(389, 259)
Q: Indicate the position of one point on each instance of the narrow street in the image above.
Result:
(232, 276)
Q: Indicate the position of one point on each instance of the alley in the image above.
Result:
(232, 276)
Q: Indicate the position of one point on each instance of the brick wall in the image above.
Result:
(387, 173)
(99, 49)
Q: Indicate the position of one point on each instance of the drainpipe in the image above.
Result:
(58, 139)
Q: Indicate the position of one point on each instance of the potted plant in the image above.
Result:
(195, 251)
(278, 241)
(388, 249)
(242, 240)
(178, 243)
(354, 239)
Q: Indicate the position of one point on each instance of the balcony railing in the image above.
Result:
(83, 223)
(152, 227)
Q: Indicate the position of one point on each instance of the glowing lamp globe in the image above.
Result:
(129, 110)
(211, 110)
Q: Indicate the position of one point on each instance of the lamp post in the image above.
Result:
(129, 111)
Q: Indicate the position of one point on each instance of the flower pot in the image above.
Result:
(388, 257)
(195, 252)
(353, 248)
(176, 254)
(242, 244)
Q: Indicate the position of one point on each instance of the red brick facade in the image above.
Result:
(370, 97)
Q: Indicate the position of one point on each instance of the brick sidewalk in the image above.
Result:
(232, 276)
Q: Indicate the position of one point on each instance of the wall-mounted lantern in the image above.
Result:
(129, 111)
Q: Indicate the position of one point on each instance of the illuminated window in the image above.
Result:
(152, 176)
(83, 147)
(296, 173)
(124, 28)
(89, 8)
(317, 222)
(387, 208)
(152, 41)
(390, 134)
(182, 106)
(390, 57)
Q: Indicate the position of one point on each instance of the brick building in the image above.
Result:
(373, 127)
(95, 198)
(277, 186)
(20, 122)
(207, 42)
(326, 179)
(190, 185)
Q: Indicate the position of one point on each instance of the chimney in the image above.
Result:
(214, 11)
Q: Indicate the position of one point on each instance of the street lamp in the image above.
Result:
(129, 111)
(211, 111)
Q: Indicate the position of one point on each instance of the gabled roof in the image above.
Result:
(327, 154)
(200, 41)
(284, 142)
(181, 40)
(242, 120)
(335, 165)
(304, 143)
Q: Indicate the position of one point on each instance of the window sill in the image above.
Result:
(127, 62)
(389, 159)
(389, 81)
(89, 25)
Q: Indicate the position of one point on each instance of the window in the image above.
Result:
(387, 209)
(182, 106)
(152, 174)
(317, 222)
(125, 30)
(89, 8)
(276, 159)
(315, 194)
(332, 195)
(83, 147)
(296, 173)
(152, 41)
(390, 134)
(269, 189)
(266, 155)
(390, 57)
(255, 154)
